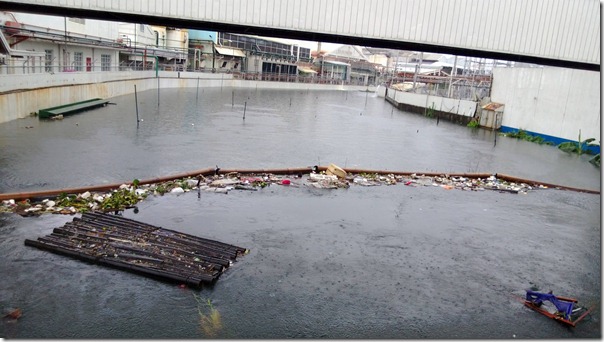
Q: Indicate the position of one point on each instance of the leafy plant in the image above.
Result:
(473, 124)
(161, 189)
(121, 199)
(579, 147)
(430, 111)
(523, 135)
(595, 160)
(65, 200)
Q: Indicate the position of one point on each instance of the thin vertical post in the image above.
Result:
(233, 99)
(197, 95)
(244, 108)
(495, 129)
(136, 104)
(158, 91)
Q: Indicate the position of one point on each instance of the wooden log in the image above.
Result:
(188, 250)
(189, 279)
(124, 222)
(183, 257)
(142, 248)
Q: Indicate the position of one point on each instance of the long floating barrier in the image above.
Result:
(18, 196)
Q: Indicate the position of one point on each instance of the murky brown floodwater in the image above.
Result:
(377, 262)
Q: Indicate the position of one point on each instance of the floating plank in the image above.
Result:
(138, 247)
(71, 108)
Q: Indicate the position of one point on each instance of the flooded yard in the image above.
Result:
(390, 262)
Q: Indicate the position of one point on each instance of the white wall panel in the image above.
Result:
(553, 101)
(557, 29)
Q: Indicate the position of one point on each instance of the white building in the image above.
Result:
(32, 43)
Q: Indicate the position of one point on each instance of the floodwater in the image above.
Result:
(365, 262)
(353, 129)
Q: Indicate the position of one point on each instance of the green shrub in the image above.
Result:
(473, 124)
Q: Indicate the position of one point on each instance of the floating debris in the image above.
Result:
(142, 248)
(563, 310)
(14, 314)
(125, 196)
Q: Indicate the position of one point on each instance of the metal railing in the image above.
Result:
(462, 87)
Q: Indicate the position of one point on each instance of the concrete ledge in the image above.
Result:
(452, 117)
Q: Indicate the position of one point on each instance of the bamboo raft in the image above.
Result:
(142, 248)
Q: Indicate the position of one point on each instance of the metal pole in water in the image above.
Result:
(495, 130)
(233, 99)
(158, 91)
(244, 108)
(197, 95)
(366, 95)
(136, 103)
(290, 101)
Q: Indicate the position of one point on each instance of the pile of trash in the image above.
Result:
(334, 177)
(471, 184)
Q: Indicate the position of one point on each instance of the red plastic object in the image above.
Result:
(286, 182)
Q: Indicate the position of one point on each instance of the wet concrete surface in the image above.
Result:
(364, 262)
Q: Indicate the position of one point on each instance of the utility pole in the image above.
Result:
(418, 68)
(213, 55)
(453, 70)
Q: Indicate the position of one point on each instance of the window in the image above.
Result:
(224, 64)
(105, 62)
(78, 59)
(48, 60)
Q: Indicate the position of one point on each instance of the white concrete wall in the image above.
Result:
(551, 101)
(10, 83)
(144, 37)
(43, 91)
(558, 29)
(454, 106)
(91, 27)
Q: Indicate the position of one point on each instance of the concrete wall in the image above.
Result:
(21, 95)
(554, 102)
(90, 27)
(452, 108)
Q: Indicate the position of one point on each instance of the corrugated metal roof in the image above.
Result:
(559, 30)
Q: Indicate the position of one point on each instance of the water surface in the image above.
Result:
(366, 262)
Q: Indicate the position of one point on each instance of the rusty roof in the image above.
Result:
(492, 106)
